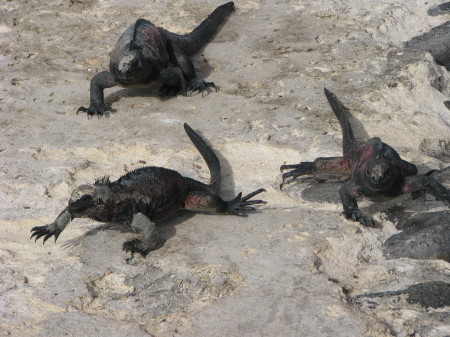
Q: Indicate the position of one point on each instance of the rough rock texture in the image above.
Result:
(296, 267)
(436, 42)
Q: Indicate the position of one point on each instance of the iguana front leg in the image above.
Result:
(207, 202)
(182, 60)
(97, 105)
(149, 234)
(171, 83)
(409, 168)
(348, 192)
(53, 229)
(428, 184)
(332, 165)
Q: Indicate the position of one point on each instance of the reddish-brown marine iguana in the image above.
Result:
(375, 169)
(145, 196)
(143, 53)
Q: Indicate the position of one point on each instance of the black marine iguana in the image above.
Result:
(146, 196)
(375, 169)
(143, 53)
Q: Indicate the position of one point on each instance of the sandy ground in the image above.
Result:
(290, 269)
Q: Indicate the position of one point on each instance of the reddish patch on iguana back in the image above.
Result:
(362, 154)
(157, 40)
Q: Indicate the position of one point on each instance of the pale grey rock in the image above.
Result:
(287, 270)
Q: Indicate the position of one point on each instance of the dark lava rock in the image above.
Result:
(447, 104)
(439, 9)
(436, 42)
(433, 294)
(424, 236)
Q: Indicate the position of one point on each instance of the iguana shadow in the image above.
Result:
(166, 230)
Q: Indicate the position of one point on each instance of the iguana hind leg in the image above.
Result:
(171, 83)
(428, 184)
(332, 165)
(182, 60)
(298, 170)
(203, 201)
(149, 234)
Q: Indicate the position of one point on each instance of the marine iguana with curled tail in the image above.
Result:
(146, 196)
(143, 53)
(375, 169)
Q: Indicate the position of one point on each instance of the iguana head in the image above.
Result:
(81, 198)
(378, 172)
(129, 66)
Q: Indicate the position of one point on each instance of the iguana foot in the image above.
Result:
(298, 170)
(48, 231)
(359, 216)
(96, 109)
(200, 85)
(167, 91)
(240, 205)
(138, 246)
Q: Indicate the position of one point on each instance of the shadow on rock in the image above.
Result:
(150, 90)
(314, 189)
(323, 192)
(166, 229)
(433, 294)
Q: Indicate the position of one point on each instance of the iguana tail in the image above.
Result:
(192, 42)
(208, 155)
(341, 112)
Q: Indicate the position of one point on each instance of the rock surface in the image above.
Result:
(295, 267)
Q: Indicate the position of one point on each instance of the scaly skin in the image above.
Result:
(375, 170)
(147, 196)
(143, 54)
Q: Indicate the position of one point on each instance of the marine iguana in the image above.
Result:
(146, 196)
(375, 169)
(143, 53)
